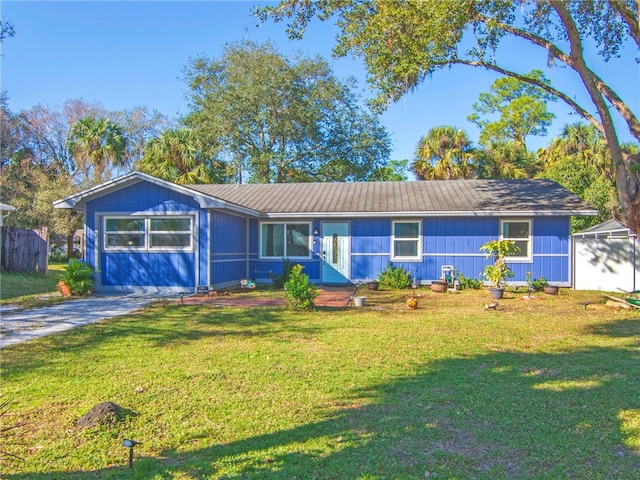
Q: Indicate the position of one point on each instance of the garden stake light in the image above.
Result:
(130, 444)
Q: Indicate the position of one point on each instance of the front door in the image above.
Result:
(335, 252)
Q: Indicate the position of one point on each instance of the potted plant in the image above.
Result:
(77, 279)
(498, 272)
(373, 285)
(551, 289)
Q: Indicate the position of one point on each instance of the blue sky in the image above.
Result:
(127, 54)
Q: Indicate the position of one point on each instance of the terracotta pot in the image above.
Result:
(551, 289)
(373, 286)
(64, 289)
(439, 286)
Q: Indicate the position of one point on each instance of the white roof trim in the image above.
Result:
(78, 201)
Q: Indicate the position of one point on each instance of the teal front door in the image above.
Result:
(335, 252)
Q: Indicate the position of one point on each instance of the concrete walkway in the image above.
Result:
(24, 325)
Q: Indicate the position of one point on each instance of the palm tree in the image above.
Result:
(96, 145)
(175, 156)
(580, 161)
(505, 160)
(444, 153)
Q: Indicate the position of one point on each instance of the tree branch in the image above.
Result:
(571, 61)
(548, 88)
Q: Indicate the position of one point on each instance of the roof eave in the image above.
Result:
(78, 201)
(423, 213)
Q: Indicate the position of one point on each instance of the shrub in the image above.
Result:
(280, 280)
(298, 292)
(394, 277)
(78, 275)
(539, 283)
(468, 282)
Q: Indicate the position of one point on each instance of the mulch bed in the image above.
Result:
(329, 297)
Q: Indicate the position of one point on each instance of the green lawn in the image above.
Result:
(31, 290)
(540, 389)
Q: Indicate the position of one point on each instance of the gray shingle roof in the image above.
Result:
(609, 227)
(444, 197)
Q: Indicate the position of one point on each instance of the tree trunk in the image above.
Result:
(69, 246)
(626, 169)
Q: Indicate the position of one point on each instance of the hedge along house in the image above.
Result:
(148, 234)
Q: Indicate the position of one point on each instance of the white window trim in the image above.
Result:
(309, 244)
(529, 256)
(418, 257)
(147, 233)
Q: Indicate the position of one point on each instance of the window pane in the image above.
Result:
(125, 240)
(170, 240)
(124, 224)
(298, 240)
(515, 229)
(523, 245)
(171, 224)
(405, 248)
(406, 229)
(272, 240)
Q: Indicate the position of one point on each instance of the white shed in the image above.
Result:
(606, 257)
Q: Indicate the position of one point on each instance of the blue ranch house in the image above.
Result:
(144, 234)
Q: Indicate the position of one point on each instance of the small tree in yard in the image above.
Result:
(298, 292)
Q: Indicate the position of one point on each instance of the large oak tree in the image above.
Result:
(282, 119)
(404, 42)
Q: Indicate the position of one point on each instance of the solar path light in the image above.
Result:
(130, 444)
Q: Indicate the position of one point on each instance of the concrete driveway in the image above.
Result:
(24, 325)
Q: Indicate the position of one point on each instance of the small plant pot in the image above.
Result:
(551, 289)
(439, 286)
(496, 292)
(373, 286)
(412, 303)
(359, 301)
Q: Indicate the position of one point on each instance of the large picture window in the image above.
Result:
(520, 232)
(405, 240)
(148, 233)
(285, 240)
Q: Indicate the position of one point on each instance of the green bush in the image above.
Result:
(539, 283)
(298, 292)
(280, 280)
(78, 275)
(468, 282)
(394, 278)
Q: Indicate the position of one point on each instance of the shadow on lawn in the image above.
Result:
(499, 415)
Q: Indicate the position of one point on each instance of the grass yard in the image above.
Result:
(539, 389)
(31, 290)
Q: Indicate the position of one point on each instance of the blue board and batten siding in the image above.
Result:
(445, 241)
(143, 269)
(456, 241)
(226, 245)
(228, 248)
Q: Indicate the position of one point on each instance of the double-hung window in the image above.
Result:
(148, 233)
(285, 240)
(406, 241)
(519, 231)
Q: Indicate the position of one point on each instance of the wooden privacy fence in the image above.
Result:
(24, 251)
